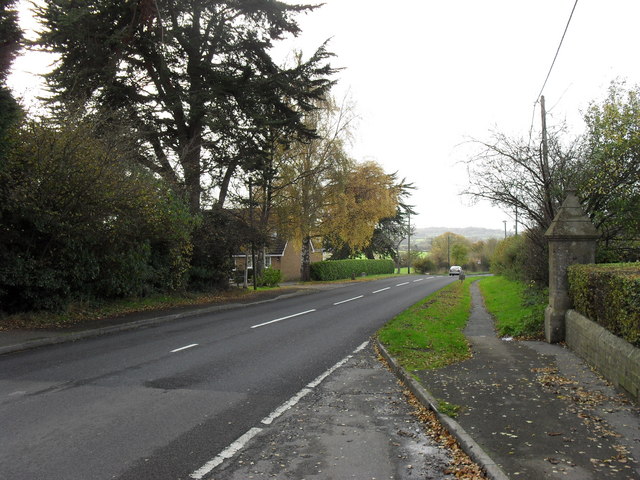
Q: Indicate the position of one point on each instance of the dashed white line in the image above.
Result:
(240, 443)
(284, 318)
(349, 300)
(418, 280)
(401, 284)
(228, 452)
(184, 348)
(381, 290)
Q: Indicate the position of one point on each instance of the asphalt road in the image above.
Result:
(161, 402)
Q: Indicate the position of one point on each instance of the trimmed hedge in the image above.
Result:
(609, 294)
(339, 269)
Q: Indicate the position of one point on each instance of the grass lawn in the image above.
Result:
(81, 312)
(518, 310)
(429, 334)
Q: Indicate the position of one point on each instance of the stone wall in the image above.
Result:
(616, 359)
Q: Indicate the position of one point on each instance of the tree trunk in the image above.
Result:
(192, 173)
(226, 180)
(305, 270)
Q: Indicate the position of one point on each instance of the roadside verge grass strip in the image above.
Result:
(517, 310)
(429, 334)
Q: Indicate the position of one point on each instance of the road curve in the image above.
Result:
(164, 401)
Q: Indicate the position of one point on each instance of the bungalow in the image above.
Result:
(281, 255)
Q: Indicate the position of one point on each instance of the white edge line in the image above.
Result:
(228, 452)
(349, 300)
(381, 290)
(401, 284)
(418, 280)
(236, 446)
(286, 406)
(284, 318)
(184, 348)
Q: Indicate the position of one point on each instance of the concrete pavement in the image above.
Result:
(537, 409)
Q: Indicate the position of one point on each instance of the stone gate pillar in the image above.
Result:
(572, 239)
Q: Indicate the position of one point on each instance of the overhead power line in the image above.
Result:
(551, 68)
(558, 50)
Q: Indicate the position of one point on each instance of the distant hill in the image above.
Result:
(421, 240)
(472, 233)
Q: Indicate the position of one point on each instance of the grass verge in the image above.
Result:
(79, 313)
(429, 334)
(517, 308)
(82, 312)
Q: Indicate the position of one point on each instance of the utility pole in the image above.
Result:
(546, 176)
(516, 220)
(449, 250)
(505, 228)
(253, 245)
(409, 245)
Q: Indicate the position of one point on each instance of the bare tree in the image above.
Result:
(513, 174)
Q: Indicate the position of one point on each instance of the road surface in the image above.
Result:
(163, 402)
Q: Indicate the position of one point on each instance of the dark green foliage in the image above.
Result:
(339, 269)
(610, 176)
(10, 36)
(609, 294)
(424, 265)
(9, 116)
(79, 219)
(195, 79)
(219, 235)
(271, 277)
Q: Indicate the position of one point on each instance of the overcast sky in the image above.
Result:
(426, 76)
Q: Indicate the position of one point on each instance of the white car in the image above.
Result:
(455, 270)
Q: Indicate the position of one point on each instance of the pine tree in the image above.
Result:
(195, 78)
(10, 38)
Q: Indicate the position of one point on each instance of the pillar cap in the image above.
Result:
(571, 222)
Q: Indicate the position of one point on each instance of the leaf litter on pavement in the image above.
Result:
(462, 466)
(583, 403)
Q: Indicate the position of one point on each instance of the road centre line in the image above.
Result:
(381, 290)
(284, 318)
(418, 280)
(184, 348)
(241, 442)
(401, 284)
(349, 300)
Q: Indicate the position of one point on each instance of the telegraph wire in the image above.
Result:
(551, 67)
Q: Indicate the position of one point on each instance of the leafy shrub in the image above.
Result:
(80, 219)
(217, 237)
(523, 258)
(271, 277)
(424, 265)
(609, 294)
(339, 269)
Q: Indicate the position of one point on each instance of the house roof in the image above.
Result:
(276, 248)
